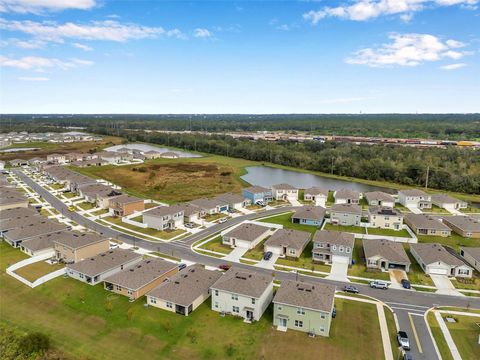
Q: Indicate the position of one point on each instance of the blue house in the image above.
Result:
(309, 215)
(257, 193)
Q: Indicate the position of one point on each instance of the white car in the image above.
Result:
(222, 220)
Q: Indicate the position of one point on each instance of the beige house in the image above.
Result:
(79, 246)
(447, 202)
(288, 242)
(140, 278)
(246, 235)
(185, 291)
(347, 196)
(423, 224)
(328, 245)
(471, 256)
(379, 198)
(463, 225)
(385, 254)
(317, 195)
(385, 218)
(124, 205)
(284, 192)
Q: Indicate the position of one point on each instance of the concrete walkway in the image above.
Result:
(387, 345)
(444, 285)
(414, 209)
(447, 336)
(236, 254)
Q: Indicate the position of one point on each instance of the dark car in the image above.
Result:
(267, 256)
(224, 267)
(403, 341)
(408, 356)
(406, 284)
(350, 289)
(182, 266)
(334, 312)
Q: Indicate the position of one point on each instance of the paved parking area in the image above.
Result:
(339, 268)
(268, 264)
(396, 276)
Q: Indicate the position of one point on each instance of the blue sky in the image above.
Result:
(373, 56)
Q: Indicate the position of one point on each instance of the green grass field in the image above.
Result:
(349, 229)
(359, 269)
(216, 245)
(465, 333)
(439, 338)
(389, 232)
(36, 270)
(454, 241)
(166, 235)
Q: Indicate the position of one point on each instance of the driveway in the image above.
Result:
(414, 209)
(268, 264)
(236, 254)
(444, 285)
(339, 268)
(295, 202)
(396, 276)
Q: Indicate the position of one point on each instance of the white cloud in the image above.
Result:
(407, 50)
(362, 10)
(97, 30)
(39, 6)
(283, 27)
(453, 66)
(23, 44)
(82, 47)
(33, 78)
(202, 33)
(40, 64)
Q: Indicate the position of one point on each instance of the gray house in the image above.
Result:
(347, 196)
(288, 242)
(346, 214)
(309, 215)
(471, 256)
(384, 254)
(379, 198)
(164, 217)
(246, 235)
(423, 224)
(327, 244)
(317, 195)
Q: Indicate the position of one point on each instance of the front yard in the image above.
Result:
(359, 269)
(216, 245)
(388, 232)
(166, 235)
(349, 229)
(214, 217)
(85, 205)
(465, 333)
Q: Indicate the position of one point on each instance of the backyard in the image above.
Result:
(454, 241)
(349, 229)
(389, 232)
(36, 270)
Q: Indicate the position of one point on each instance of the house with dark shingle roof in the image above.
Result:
(288, 242)
(309, 215)
(465, 226)
(242, 293)
(328, 243)
(423, 224)
(347, 196)
(317, 195)
(245, 235)
(385, 254)
(304, 307)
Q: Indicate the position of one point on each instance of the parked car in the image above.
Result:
(222, 220)
(267, 256)
(189, 226)
(182, 266)
(351, 289)
(407, 356)
(334, 311)
(379, 284)
(260, 203)
(71, 208)
(403, 341)
(224, 267)
(406, 284)
(231, 211)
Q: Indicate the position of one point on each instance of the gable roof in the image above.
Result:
(76, 240)
(243, 282)
(230, 198)
(386, 249)
(423, 221)
(347, 194)
(256, 189)
(164, 210)
(283, 186)
(247, 231)
(378, 196)
(125, 199)
(474, 252)
(413, 192)
(15, 212)
(306, 295)
(464, 223)
(295, 239)
(338, 238)
(44, 226)
(433, 252)
(346, 208)
(309, 213)
(445, 199)
(315, 190)
(384, 211)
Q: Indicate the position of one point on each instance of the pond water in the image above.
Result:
(18, 149)
(147, 147)
(267, 176)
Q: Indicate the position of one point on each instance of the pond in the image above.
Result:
(268, 176)
(147, 147)
(18, 150)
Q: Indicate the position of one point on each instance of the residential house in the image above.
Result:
(242, 293)
(36, 161)
(140, 278)
(151, 154)
(79, 246)
(23, 232)
(8, 201)
(57, 158)
(234, 201)
(471, 255)
(309, 215)
(346, 214)
(347, 196)
(288, 242)
(89, 192)
(124, 205)
(465, 226)
(88, 163)
(191, 213)
(21, 220)
(448, 203)
(317, 195)
(328, 245)
(72, 157)
(304, 307)
(246, 235)
(384, 254)
(210, 206)
(185, 291)
(423, 224)
(284, 192)
(385, 218)
(164, 217)
(18, 162)
(415, 198)
(18, 212)
(434, 259)
(43, 244)
(379, 198)
(169, 155)
(257, 194)
(96, 269)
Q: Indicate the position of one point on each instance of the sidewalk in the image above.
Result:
(447, 336)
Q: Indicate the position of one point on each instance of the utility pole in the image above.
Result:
(426, 180)
(331, 170)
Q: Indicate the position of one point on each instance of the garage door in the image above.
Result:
(438, 271)
(340, 259)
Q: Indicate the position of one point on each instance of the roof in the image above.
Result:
(306, 295)
(346, 208)
(103, 262)
(189, 209)
(316, 191)
(412, 192)
(125, 199)
(42, 242)
(230, 198)
(472, 251)
(384, 210)
(22, 220)
(334, 237)
(378, 196)
(164, 210)
(347, 194)
(295, 239)
(247, 231)
(309, 213)
(169, 153)
(77, 240)
(283, 186)
(207, 203)
(423, 221)
(243, 282)
(386, 249)
(187, 285)
(6, 199)
(38, 228)
(11, 213)
(142, 273)
(94, 189)
(464, 223)
(433, 252)
(256, 189)
(445, 199)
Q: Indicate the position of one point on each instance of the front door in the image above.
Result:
(249, 315)
(282, 322)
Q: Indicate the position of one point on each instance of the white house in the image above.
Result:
(317, 195)
(164, 217)
(284, 192)
(246, 235)
(416, 198)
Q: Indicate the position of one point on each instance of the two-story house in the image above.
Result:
(164, 217)
(385, 217)
(328, 244)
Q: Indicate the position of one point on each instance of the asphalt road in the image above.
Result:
(409, 306)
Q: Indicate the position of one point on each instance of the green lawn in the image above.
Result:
(389, 232)
(285, 220)
(469, 284)
(216, 245)
(69, 195)
(436, 210)
(330, 198)
(257, 252)
(454, 241)
(166, 235)
(402, 208)
(85, 205)
(465, 333)
(36, 270)
(305, 261)
(359, 269)
(138, 218)
(100, 212)
(214, 217)
(439, 338)
(57, 186)
(350, 229)
(416, 275)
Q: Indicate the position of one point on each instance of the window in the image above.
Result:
(169, 305)
(234, 297)
(322, 329)
(463, 272)
(340, 249)
(279, 307)
(153, 300)
(291, 251)
(322, 316)
(215, 305)
(118, 287)
(216, 292)
(299, 323)
(253, 301)
(300, 311)
(347, 250)
(334, 247)
(235, 309)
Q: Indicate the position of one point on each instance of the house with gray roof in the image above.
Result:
(434, 259)
(242, 293)
(164, 217)
(210, 206)
(234, 201)
(138, 279)
(191, 213)
(21, 220)
(379, 198)
(465, 226)
(304, 306)
(384, 217)
(288, 242)
(416, 198)
(284, 192)
(257, 194)
(76, 246)
(317, 195)
(246, 235)
(18, 162)
(151, 154)
(471, 255)
(328, 244)
(346, 214)
(124, 205)
(39, 227)
(384, 254)
(9, 200)
(309, 215)
(448, 203)
(423, 224)
(18, 212)
(96, 269)
(347, 196)
(185, 291)
(91, 191)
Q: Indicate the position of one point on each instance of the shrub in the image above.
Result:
(35, 342)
